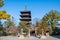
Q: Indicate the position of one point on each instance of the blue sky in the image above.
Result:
(38, 8)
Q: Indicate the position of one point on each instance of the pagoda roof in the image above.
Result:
(25, 11)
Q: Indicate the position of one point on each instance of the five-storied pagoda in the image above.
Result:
(26, 16)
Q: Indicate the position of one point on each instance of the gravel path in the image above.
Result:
(30, 38)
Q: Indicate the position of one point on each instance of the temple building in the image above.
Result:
(26, 16)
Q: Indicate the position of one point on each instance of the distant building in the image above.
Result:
(58, 23)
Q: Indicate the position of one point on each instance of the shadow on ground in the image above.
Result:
(56, 36)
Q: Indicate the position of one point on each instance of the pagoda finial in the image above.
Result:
(25, 6)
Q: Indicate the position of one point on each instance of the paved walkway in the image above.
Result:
(30, 38)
